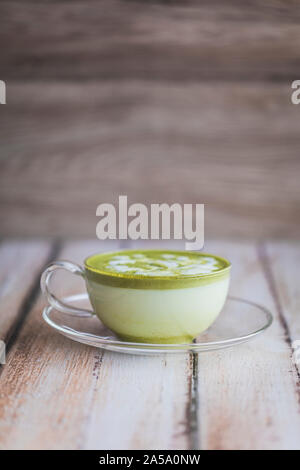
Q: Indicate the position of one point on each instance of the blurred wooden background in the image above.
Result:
(165, 101)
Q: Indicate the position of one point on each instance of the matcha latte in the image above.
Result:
(157, 296)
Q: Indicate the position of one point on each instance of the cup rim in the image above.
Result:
(126, 280)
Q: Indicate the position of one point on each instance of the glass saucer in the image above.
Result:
(239, 321)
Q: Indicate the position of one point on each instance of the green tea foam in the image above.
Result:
(155, 268)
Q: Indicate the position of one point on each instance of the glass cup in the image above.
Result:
(143, 308)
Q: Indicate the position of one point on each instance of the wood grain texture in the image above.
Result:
(171, 41)
(57, 394)
(68, 147)
(283, 274)
(21, 264)
(163, 101)
(250, 396)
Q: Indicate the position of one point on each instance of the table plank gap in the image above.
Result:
(247, 393)
(84, 398)
(21, 264)
(193, 408)
(282, 268)
(30, 299)
(269, 275)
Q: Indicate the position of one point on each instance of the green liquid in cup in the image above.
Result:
(157, 296)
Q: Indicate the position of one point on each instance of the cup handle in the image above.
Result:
(52, 299)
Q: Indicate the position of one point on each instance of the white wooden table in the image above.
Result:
(58, 394)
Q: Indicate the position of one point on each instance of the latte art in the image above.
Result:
(158, 264)
(161, 265)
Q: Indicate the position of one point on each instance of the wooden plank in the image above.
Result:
(170, 41)
(248, 396)
(250, 389)
(57, 394)
(283, 272)
(21, 264)
(68, 147)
